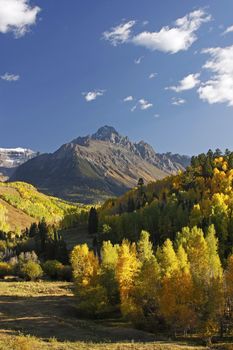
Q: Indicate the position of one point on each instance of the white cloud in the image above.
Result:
(10, 77)
(144, 23)
(120, 34)
(174, 39)
(228, 30)
(138, 60)
(152, 75)
(178, 101)
(92, 95)
(17, 16)
(187, 83)
(156, 115)
(128, 99)
(144, 104)
(219, 88)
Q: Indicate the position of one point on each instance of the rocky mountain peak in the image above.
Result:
(107, 133)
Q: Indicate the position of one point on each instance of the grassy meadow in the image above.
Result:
(42, 315)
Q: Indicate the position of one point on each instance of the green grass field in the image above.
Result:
(42, 315)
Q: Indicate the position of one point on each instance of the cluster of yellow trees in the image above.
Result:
(3, 220)
(180, 287)
(25, 197)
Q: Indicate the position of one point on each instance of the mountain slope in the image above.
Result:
(11, 158)
(92, 168)
(21, 204)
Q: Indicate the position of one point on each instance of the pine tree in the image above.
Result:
(93, 221)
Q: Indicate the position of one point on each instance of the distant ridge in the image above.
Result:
(11, 158)
(94, 167)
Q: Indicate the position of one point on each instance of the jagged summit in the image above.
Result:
(97, 166)
(107, 133)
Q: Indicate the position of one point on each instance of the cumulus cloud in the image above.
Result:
(178, 101)
(17, 16)
(92, 95)
(174, 39)
(228, 30)
(187, 83)
(120, 34)
(219, 88)
(128, 99)
(152, 75)
(169, 39)
(10, 77)
(142, 104)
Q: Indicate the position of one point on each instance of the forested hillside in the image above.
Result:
(21, 204)
(200, 196)
(163, 255)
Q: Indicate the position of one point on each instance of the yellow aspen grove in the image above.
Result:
(215, 266)
(145, 247)
(167, 258)
(176, 301)
(182, 257)
(109, 255)
(85, 265)
(126, 271)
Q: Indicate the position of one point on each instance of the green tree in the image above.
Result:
(93, 221)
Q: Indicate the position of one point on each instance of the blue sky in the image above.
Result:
(66, 68)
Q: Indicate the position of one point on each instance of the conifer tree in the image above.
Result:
(93, 221)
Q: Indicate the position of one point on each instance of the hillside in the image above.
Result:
(21, 204)
(93, 168)
(200, 196)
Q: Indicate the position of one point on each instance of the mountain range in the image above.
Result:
(92, 168)
(11, 158)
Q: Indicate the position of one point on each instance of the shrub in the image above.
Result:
(31, 270)
(5, 269)
(2, 246)
(65, 274)
(52, 268)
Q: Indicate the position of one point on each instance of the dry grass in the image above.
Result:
(32, 343)
(42, 315)
(16, 218)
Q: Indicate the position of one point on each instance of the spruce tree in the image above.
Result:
(93, 221)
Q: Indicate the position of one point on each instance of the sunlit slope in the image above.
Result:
(23, 204)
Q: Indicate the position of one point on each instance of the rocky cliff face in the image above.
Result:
(167, 162)
(11, 158)
(92, 168)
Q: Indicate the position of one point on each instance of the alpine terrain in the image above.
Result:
(92, 168)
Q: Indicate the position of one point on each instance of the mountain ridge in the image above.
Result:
(94, 167)
(11, 158)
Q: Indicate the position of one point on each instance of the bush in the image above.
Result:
(56, 270)
(31, 270)
(52, 268)
(92, 301)
(2, 246)
(65, 274)
(5, 269)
